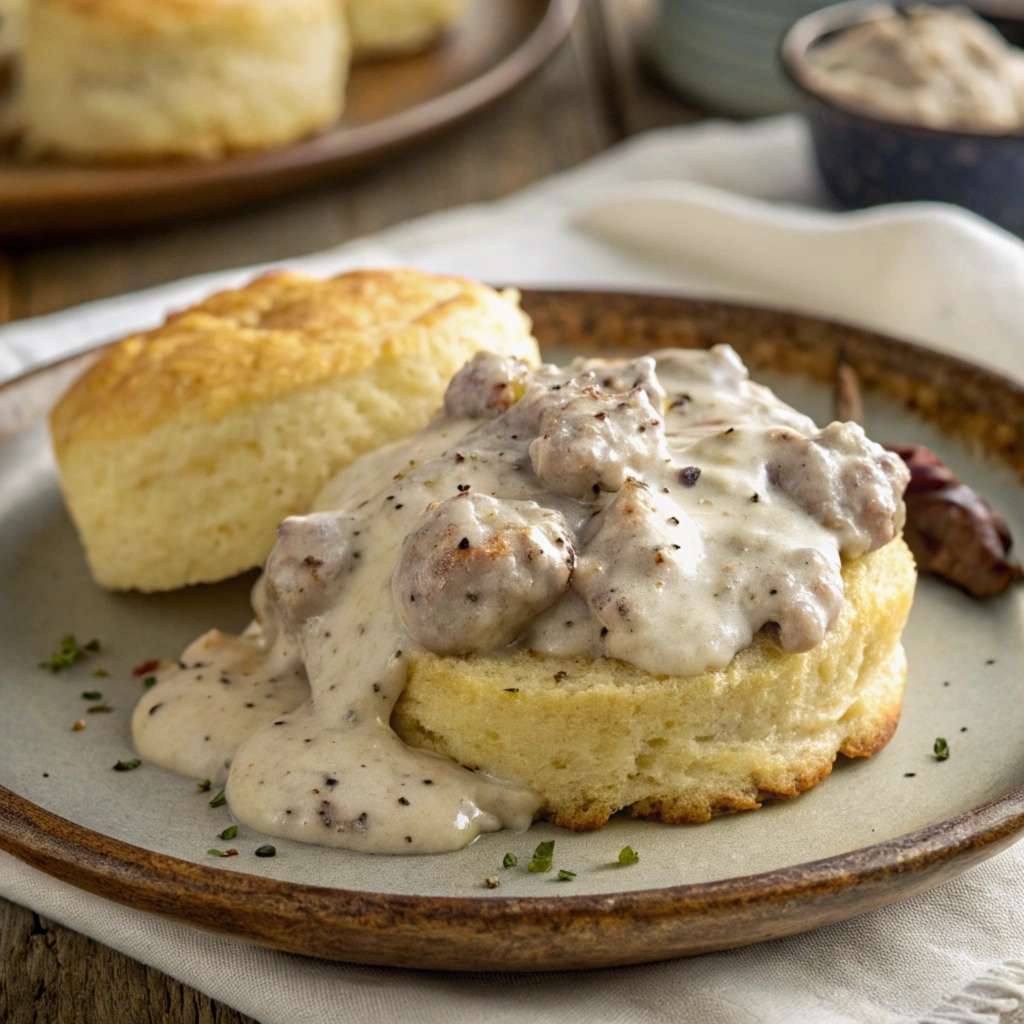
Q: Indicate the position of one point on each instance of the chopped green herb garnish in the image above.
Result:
(149, 681)
(127, 766)
(266, 851)
(541, 860)
(565, 876)
(511, 689)
(627, 856)
(215, 853)
(92, 695)
(230, 832)
(219, 800)
(100, 673)
(510, 860)
(941, 749)
(98, 709)
(67, 653)
(204, 786)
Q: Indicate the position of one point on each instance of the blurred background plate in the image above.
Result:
(391, 104)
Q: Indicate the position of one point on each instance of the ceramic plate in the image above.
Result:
(874, 832)
(389, 104)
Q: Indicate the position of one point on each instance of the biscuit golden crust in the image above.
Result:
(280, 334)
(182, 449)
(593, 738)
(144, 80)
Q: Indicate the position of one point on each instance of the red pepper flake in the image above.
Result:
(231, 853)
(146, 667)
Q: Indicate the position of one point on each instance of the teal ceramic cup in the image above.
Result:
(723, 54)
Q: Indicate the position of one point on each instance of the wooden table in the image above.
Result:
(591, 95)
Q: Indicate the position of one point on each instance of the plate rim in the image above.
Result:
(146, 880)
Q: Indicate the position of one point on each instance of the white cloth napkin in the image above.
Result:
(712, 210)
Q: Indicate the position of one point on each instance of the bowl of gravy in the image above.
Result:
(915, 102)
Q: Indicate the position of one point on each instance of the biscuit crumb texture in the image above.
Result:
(382, 28)
(144, 80)
(596, 737)
(181, 450)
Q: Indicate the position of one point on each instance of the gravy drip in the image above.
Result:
(660, 510)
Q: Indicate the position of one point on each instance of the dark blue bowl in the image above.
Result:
(866, 160)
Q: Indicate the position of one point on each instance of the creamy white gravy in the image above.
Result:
(660, 510)
(941, 68)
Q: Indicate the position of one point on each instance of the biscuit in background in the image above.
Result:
(382, 28)
(126, 80)
(181, 450)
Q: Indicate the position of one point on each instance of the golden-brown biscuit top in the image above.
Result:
(282, 332)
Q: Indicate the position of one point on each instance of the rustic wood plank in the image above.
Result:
(54, 976)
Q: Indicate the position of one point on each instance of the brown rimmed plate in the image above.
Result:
(390, 104)
(873, 833)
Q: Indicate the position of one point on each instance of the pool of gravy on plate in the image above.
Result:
(659, 510)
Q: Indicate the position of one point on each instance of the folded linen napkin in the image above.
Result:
(950, 956)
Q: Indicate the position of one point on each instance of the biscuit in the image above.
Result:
(383, 28)
(124, 80)
(594, 737)
(181, 450)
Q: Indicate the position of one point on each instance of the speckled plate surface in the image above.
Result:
(872, 833)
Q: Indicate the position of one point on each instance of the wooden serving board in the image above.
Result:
(390, 105)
